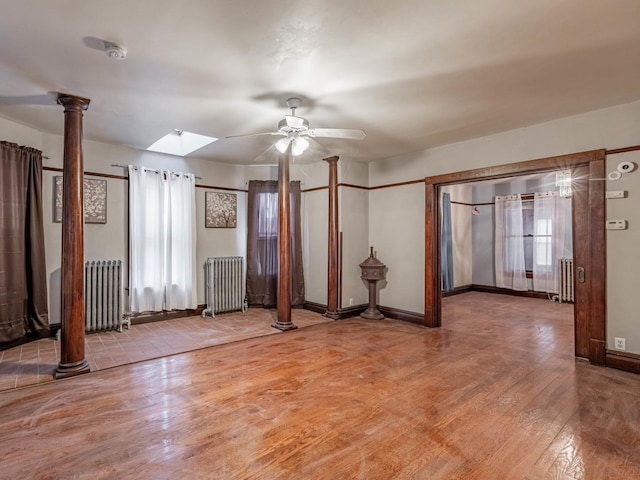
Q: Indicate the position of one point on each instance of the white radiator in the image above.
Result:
(224, 285)
(565, 280)
(103, 296)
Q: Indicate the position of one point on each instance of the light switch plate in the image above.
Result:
(616, 224)
(616, 194)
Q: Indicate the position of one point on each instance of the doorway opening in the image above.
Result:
(588, 210)
(502, 243)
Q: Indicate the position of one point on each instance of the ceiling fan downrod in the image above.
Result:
(293, 103)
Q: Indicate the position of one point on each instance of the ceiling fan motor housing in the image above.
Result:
(292, 123)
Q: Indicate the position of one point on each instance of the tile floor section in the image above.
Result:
(35, 362)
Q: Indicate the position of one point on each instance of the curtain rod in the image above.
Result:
(526, 197)
(147, 168)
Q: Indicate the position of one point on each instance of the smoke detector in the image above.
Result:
(115, 51)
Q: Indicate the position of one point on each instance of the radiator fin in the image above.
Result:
(103, 295)
(224, 285)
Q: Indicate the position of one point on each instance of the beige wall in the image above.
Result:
(354, 225)
(394, 220)
(315, 245)
(623, 257)
(396, 232)
(607, 128)
(102, 241)
(110, 240)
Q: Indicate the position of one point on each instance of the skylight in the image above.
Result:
(181, 143)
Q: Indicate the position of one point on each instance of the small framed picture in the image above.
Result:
(95, 200)
(221, 210)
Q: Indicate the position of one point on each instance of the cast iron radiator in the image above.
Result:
(565, 280)
(224, 285)
(103, 296)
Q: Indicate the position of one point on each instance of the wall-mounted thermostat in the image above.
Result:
(616, 224)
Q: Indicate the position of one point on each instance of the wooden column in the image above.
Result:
(283, 321)
(332, 274)
(72, 359)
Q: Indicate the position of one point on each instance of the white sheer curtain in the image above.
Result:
(552, 238)
(509, 243)
(161, 240)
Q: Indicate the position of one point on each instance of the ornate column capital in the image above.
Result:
(73, 103)
(332, 160)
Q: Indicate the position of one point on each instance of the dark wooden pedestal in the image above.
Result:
(372, 312)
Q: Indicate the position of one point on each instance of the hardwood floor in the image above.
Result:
(35, 362)
(493, 394)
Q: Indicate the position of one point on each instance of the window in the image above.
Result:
(268, 216)
(162, 241)
(542, 242)
(262, 244)
(530, 236)
(538, 236)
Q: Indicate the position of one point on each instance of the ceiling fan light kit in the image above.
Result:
(298, 145)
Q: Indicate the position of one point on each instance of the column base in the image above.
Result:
(331, 315)
(372, 314)
(64, 370)
(284, 326)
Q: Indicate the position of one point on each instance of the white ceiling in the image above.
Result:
(412, 73)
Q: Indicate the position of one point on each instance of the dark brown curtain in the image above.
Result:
(262, 244)
(23, 280)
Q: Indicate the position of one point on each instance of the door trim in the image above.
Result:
(591, 313)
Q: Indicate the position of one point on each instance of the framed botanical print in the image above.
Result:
(95, 200)
(221, 210)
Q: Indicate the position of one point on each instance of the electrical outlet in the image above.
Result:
(620, 343)
(351, 302)
(616, 224)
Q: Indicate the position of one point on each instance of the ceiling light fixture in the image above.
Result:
(563, 182)
(298, 145)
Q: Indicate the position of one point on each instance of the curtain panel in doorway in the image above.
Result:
(552, 238)
(509, 243)
(446, 250)
(262, 244)
(23, 280)
(162, 240)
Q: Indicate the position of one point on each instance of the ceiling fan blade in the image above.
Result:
(337, 133)
(256, 134)
(317, 150)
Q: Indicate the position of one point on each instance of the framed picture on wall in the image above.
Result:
(221, 210)
(95, 200)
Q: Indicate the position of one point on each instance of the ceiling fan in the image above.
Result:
(294, 129)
